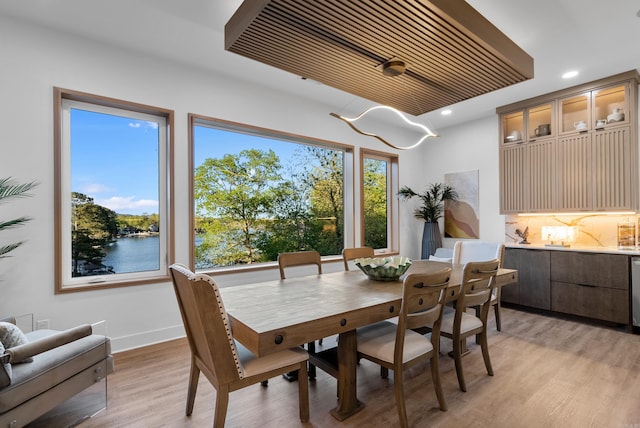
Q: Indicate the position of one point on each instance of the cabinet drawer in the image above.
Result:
(602, 270)
(608, 304)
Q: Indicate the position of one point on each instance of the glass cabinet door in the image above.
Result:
(539, 121)
(512, 127)
(574, 113)
(609, 106)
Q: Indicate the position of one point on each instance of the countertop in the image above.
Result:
(585, 249)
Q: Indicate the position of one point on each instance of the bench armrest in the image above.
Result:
(22, 352)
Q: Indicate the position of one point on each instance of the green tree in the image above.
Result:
(237, 190)
(287, 230)
(9, 190)
(325, 179)
(93, 227)
(375, 203)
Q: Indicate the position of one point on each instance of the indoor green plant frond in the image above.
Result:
(432, 199)
(431, 209)
(8, 190)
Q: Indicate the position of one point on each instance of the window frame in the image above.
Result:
(393, 206)
(348, 182)
(62, 187)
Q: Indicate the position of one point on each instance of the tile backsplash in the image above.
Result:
(595, 230)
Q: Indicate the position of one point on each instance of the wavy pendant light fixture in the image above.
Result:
(350, 122)
(392, 68)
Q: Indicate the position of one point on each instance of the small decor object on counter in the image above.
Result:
(524, 235)
(559, 236)
(626, 235)
(383, 268)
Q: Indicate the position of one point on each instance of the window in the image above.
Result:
(379, 178)
(257, 193)
(113, 223)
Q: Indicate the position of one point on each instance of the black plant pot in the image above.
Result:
(431, 239)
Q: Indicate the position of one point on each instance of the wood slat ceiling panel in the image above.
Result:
(451, 52)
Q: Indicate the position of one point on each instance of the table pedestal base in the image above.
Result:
(348, 403)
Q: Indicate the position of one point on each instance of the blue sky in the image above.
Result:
(114, 159)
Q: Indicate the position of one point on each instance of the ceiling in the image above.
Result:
(416, 56)
(594, 37)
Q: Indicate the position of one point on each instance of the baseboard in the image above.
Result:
(138, 340)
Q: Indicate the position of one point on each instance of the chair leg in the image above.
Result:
(384, 372)
(194, 375)
(457, 356)
(303, 393)
(399, 392)
(485, 351)
(435, 376)
(311, 348)
(478, 316)
(496, 308)
(222, 403)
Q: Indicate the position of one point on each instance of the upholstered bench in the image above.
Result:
(63, 363)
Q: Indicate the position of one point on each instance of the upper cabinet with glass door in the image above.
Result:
(575, 113)
(597, 109)
(528, 124)
(540, 123)
(610, 106)
(513, 127)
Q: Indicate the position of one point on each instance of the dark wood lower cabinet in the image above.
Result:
(607, 304)
(592, 285)
(534, 284)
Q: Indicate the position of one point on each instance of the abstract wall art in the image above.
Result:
(461, 217)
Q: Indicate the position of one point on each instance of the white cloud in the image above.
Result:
(129, 205)
(93, 188)
(152, 125)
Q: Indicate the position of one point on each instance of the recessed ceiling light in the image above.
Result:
(570, 74)
(445, 112)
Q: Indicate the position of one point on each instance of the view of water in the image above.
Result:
(134, 254)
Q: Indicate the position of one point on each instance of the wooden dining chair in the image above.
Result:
(349, 254)
(298, 258)
(478, 282)
(226, 364)
(293, 259)
(397, 347)
(478, 251)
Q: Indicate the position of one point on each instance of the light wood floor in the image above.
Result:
(549, 372)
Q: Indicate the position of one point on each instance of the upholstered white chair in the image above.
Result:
(480, 251)
(442, 255)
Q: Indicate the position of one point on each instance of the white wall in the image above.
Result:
(35, 60)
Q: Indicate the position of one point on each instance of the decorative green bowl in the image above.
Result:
(383, 268)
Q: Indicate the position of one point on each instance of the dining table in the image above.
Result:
(274, 315)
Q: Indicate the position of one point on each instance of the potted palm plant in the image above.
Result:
(431, 210)
(9, 189)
